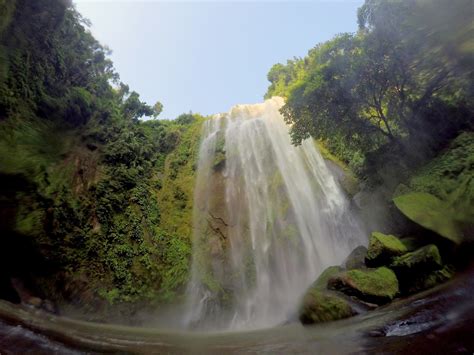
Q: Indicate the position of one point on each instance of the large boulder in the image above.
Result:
(377, 286)
(420, 269)
(382, 248)
(323, 306)
(356, 259)
(424, 282)
(320, 305)
(419, 261)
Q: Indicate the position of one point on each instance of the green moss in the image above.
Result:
(349, 182)
(383, 247)
(30, 223)
(322, 281)
(111, 296)
(447, 172)
(326, 154)
(440, 195)
(323, 306)
(372, 285)
(425, 258)
(426, 281)
(432, 213)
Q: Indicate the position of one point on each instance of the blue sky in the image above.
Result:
(208, 56)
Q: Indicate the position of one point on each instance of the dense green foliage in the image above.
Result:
(394, 93)
(95, 203)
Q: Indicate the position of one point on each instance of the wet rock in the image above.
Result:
(419, 261)
(220, 153)
(322, 280)
(424, 282)
(323, 306)
(377, 286)
(356, 259)
(382, 248)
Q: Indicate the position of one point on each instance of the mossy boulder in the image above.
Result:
(382, 248)
(420, 269)
(322, 281)
(432, 213)
(424, 282)
(323, 306)
(421, 260)
(356, 259)
(377, 286)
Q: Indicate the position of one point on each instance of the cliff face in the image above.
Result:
(95, 205)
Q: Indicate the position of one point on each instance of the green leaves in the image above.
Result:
(431, 213)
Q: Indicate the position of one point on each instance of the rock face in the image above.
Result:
(377, 286)
(356, 259)
(382, 248)
(323, 306)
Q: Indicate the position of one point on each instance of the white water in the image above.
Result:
(267, 221)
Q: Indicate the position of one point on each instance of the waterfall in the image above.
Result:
(268, 218)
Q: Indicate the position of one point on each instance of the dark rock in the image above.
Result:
(356, 259)
(413, 243)
(91, 146)
(322, 281)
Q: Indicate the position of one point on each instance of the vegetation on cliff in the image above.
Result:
(389, 97)
(394, 102)
(95, 203)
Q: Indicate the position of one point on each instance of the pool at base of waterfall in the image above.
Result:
(438, 321)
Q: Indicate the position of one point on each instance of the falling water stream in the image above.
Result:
(268, 218)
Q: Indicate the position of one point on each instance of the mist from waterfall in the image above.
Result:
(269, 217)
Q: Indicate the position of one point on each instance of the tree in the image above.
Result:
(379, 85)
(157, 109)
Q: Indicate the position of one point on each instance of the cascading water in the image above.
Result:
(268, 218)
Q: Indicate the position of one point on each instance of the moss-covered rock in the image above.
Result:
(323, 306)
(322, 281)
(424, 259)
(432, 213)
(377, 286)
(424, 282)
(356, 259)
(382, 248)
